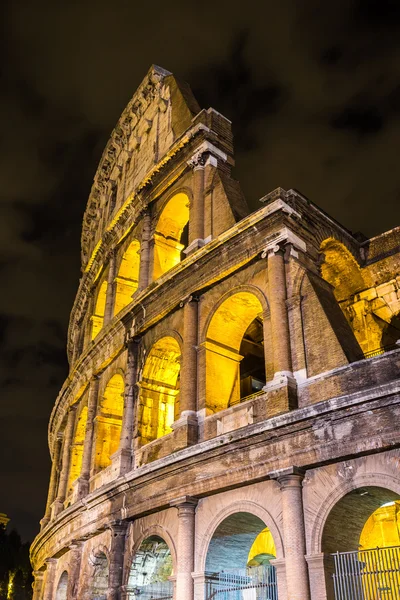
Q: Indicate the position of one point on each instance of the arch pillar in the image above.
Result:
(55, 468)
(320, 569)
(144, 269)
(110, 297)
(185, 553)
(196, 220)
(74, 570)
(280, 567)
(116, 562)
(83, 480)
(51, 566)
(291, 481)
(66, 457)
(37, 584)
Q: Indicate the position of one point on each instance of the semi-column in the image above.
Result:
(185, 551)
(49, 585)
(37, 584)
(110, 296)
(290, 481)
(196, 215)
(51, 496)
(83, 481)
(117, 551)
(188, 375)
(144, 269)
(279, 314)
(123, 459)
(75, 560)
(66, 456)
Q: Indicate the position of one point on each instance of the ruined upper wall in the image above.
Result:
(160, 111)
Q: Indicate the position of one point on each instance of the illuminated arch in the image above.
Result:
(151, 568)
(109, 422)
(169, 234)
(235, 361)
(77, 448)
(159, 390)
(100, 307)
(62, 588)
(127, 280)
(341, 269)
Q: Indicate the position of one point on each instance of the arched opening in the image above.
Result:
(391, 333)
(127, 280)
(170, 234)
(77, 448)
(235, 359)
(100, 307)
(99, 584)
(239, 559)
(362, 532)
(109, 422)
(150, 570)
(341, 269)
(61, 593)
(159, 390)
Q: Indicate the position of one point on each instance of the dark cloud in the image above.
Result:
(312, 89)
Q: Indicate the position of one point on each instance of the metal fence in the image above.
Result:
(367, 574)
(162, 590)
(255, 583)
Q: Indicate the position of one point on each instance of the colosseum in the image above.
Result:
(229, 425)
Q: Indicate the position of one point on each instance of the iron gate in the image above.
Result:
(367, 574)
(254, 583)
(162, 590)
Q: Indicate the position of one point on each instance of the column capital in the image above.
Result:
(76, 545)
(185, 502)
(188, 300)
(51, 561)
(198, 160)
(118, 527)
(289, 477)
(38, 574)
(276, 242)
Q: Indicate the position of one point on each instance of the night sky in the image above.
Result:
(312, 88)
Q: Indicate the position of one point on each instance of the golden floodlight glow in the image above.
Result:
(98, 316)
(77, 448)
(341, 269)
(224, 336)
(109, 422)
(263, 546)
(159, 390)
(128, 277)
(167, 238)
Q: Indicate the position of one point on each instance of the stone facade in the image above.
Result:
(222, 364)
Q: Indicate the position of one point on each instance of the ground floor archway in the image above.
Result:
(150, 571)
(62, 587)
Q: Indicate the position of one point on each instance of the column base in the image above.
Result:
(83, 487)
(121, 462)
(57, 507)
(185, 430)
(195, 245)
(282, 394)
(43, 522)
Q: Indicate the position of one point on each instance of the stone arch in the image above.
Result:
(332, 495)
(323, 232)
(247, 507)
(234, 342)
(62, 587)
(109, 421)
(341, 269)
(169, 232)
(99, 309)
(151, 564)
(99, 562)
(159, 389)
(127, 280)
(77, 447)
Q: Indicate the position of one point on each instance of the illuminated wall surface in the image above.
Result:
(98, 316)
(77, 448)
(159, 390)
(126, 282)
(168, 234)
(109, 422)
(382, 530)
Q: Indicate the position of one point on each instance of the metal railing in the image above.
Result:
(255, 583)
(367, 574)
(162, 590)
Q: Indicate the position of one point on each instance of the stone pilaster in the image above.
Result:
(280, 567)
(123, 458)
(196, 217)
(290, 481)
(144, 271)
(297, 338)
(55, 468)
(37, 584)
(49, 591)
(83, 481)
(185, 552)
(75, 560)
(186, 427)
(320, 568)
(66, 457)
(110, 297)
(117, 553)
